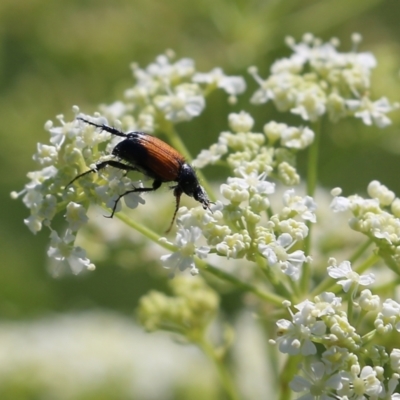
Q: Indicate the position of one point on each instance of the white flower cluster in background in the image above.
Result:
(94, 354)
(377, 217)
(176, 90)
(317, 79)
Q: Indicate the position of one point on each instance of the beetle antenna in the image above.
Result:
(104, 127)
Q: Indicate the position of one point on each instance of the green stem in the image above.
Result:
(326, 285)
(358, 319)
(274, 281)
(287, 374)
(389, 261)
(223, 372)
(306, 272)
(262, 294)
(387, 287)
(350, 296)
(312, 177)
(312, 166)
(371, 260)
(360, 251)
(369, 336)
(145, 231)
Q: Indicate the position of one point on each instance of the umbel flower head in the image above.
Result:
(317, 79)
(164, 92)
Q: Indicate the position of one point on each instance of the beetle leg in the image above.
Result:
(155, 186)
(99, 166)
(177, 193)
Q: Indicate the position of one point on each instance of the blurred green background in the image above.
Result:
(55, 54)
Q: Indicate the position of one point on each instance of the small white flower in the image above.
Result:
(390, 308)
(163, 69)
(310, 103)
(210, 156)
(336, 106)
(340, 204)
(253, 182)
(63, 251)
(34, 223)
(319, 384)
(241, 122)
(233, 246)
(45, 154)
(274, 130)
(378, 191)
(115, 186)
(344, 270)
(183, 258)
(395, 207)
(368, 301)
(389, 317)
(372, 111)
(395, 360)
(296, 229)
(263, 94)
(115, 110)
(296, 337)
(38, 177)
(326, 304)
(75, 216)
(185, 103)
(67, 130)
(392, 386)
(288, 174)
(90, 136)
(297, 138)
(236, 191)
(364, 382)
(132, 200)
(232, 85)
(305, 207)
(277, 254)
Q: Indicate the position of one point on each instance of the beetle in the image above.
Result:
(154, 158)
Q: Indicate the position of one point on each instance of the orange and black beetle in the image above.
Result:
(155, 159)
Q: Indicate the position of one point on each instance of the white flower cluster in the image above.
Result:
(237, 229)
(377, 217)
(74, 148)
(165, 90)
(253, 153)
(317, 79)
(342, 371)
(174, 91)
